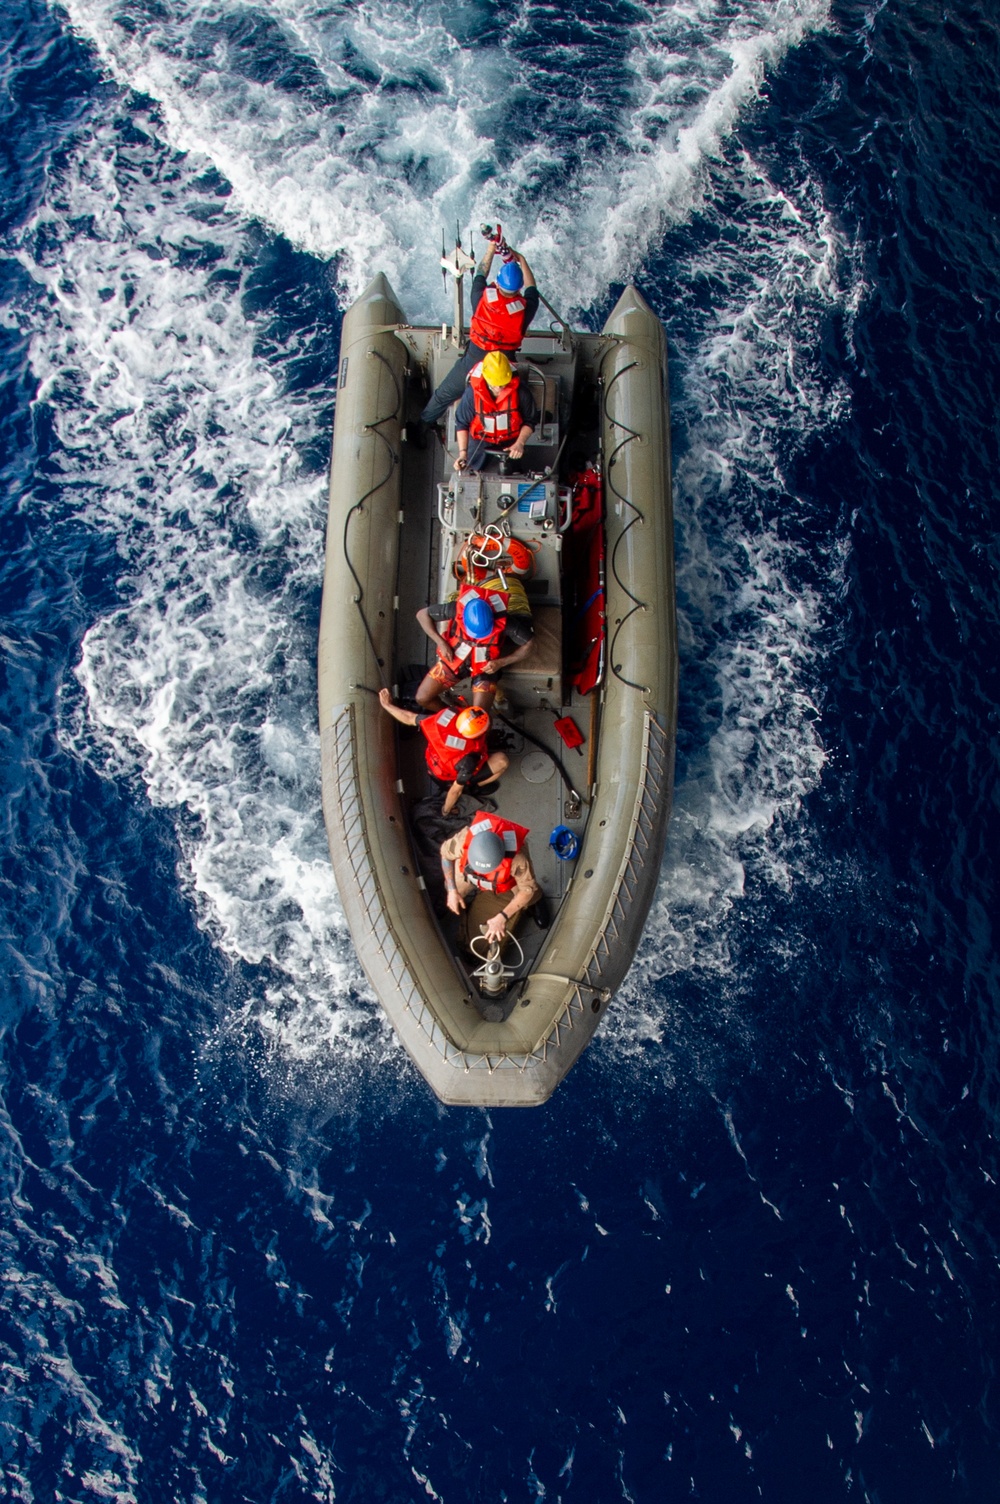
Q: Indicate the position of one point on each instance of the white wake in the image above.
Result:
(185, 432)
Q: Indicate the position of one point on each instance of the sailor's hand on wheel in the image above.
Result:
(496, 928)
(455, 901)
(516, 451)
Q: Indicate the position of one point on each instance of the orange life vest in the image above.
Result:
(445, 748)
(496, 418)
(499, 321)
(501, 879)
(470, 655)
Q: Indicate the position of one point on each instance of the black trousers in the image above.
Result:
(484, 773)
(453, 384)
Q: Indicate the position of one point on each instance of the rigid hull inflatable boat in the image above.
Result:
(594, 509)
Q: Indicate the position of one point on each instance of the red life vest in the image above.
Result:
(470, 655)
(499, 321)
(445, 748)
(500, 880)
(496, 418)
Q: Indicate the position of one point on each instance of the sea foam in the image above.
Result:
(353, 135)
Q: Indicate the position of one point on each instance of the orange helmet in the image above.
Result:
(472, 722)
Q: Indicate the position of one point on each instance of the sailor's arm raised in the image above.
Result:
(405, 717)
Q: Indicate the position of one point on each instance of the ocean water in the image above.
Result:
(749, 1251)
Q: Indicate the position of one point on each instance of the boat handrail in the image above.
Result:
(566, 334)
(604, 993)
(444, 491)
(568, 521)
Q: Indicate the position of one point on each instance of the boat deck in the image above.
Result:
(441, 509)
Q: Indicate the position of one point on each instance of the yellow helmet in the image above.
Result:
(496, 369)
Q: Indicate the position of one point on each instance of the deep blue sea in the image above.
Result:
(749, 1251)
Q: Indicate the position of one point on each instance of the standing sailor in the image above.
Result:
(502, 313)
(456, 753)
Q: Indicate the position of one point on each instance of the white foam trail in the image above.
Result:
(394, 136)
(693, 71)
(177, 438)
(753, 609)
(181, 440)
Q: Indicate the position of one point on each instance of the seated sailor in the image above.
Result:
(489, 857)
(457, 756)
(485, 628)
(497, 413)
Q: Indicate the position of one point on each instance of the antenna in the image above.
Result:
(458, 320)
(458, 263)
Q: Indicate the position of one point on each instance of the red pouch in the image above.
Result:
(569, 731)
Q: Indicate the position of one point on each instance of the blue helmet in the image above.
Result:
(477, 618)
(510, 277)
